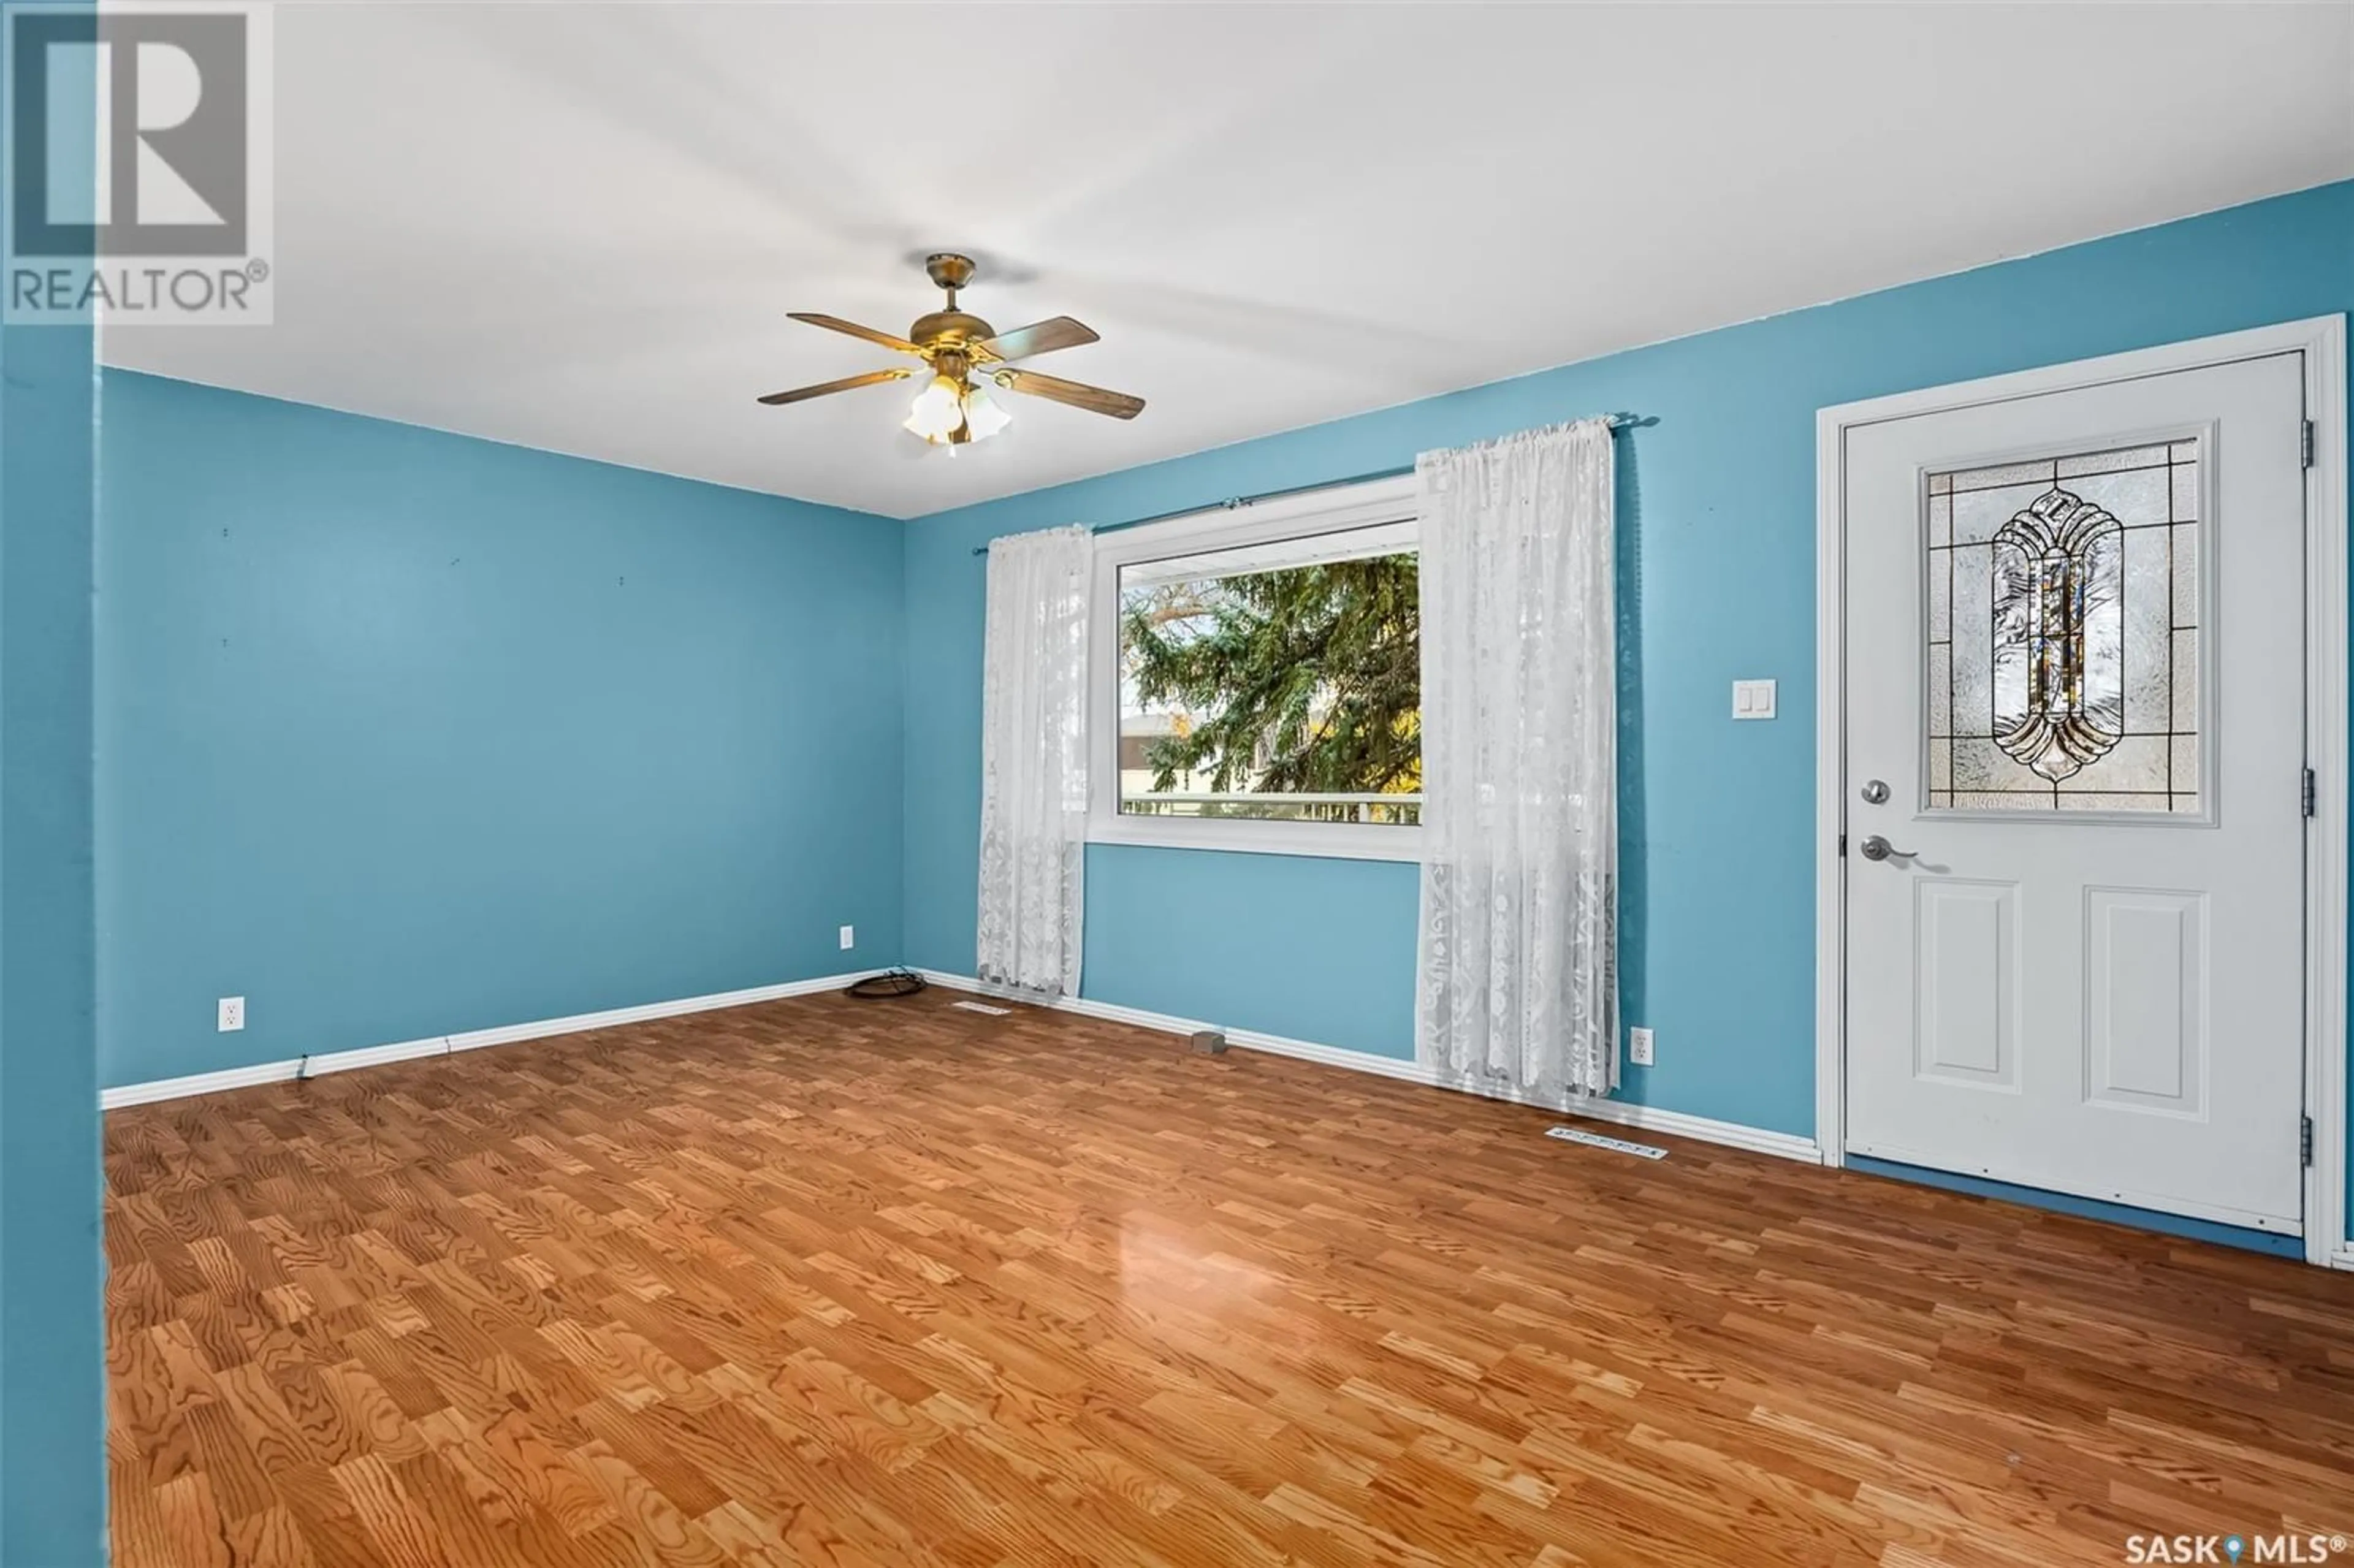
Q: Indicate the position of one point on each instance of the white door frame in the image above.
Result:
(2322, 340)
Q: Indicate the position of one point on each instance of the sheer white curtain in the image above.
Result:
(1517, 985)
(1033, 759)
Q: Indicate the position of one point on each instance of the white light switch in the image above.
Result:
(1752, 699)
(231, 1014)
(849, 939)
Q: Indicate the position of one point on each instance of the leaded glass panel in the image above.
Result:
(2063, 620)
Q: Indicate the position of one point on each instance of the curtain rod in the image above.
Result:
(1236, 503)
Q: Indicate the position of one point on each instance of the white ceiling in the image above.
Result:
(580, 227)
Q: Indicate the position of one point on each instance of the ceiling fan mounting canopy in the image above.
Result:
(954, 343)
(949, 270)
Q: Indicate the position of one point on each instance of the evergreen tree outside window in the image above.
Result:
(1278, 680)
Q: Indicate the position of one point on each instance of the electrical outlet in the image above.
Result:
(231, 1014)
(1638, 1047)
(849, 939)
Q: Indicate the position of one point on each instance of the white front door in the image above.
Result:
(2074, 759)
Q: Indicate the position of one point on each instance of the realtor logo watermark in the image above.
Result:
(2241, 1550)
(138, 167)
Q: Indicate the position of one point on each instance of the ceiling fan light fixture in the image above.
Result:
(953, 411)
(983, 415)
(938, 412)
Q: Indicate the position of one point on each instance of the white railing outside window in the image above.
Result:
(1388, 809)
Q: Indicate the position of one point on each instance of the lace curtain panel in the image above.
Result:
(1033, 760)
(1517, 991)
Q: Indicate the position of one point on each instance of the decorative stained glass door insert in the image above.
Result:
(2063, 647)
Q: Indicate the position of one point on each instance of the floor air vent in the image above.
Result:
(1597, 1141)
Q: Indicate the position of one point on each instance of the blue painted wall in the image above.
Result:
(52, 1409)
(1717, 527)
(1161, 921)
(402, 733)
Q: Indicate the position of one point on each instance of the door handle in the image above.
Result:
(1877, 848)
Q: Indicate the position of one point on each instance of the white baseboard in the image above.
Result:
(1651, 1118)
(1757, 1140)
(442, 1044)
(2343, 1258)
(197, 1084)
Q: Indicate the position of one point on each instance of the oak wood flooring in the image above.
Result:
(839, 1282)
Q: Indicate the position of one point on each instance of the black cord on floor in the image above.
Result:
(898, 982)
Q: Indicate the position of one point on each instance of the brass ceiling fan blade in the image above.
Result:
(836, 324)
(896, 373)
(1039, 337)
(1077, 393)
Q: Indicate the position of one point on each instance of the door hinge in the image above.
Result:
(2306, 794)
(2307, 443)
(1843, 846)
(2305, 1139)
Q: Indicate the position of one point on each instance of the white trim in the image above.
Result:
(1325, 511)
(199, 1084)
(1756, 1140)
(1317, 841)
(2326, 657)
(2322, 341)
(371, 1056)
(443, 1044)
(1830, 788)
(508, 1033)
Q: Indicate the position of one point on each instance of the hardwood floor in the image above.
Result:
(837, 1282)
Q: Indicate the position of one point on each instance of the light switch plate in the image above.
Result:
(1752, 699)
(849, 939)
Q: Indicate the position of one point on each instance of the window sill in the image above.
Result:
(1320, 840)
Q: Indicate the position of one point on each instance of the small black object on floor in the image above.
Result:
(890, 983)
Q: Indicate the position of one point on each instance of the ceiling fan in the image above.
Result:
(966, 356)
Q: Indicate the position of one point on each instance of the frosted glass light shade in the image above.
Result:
(983, 414)
(937, 412)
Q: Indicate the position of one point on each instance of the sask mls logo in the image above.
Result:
(2235, 1550)
(138, 164)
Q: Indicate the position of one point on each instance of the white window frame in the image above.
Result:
(1221, 528)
